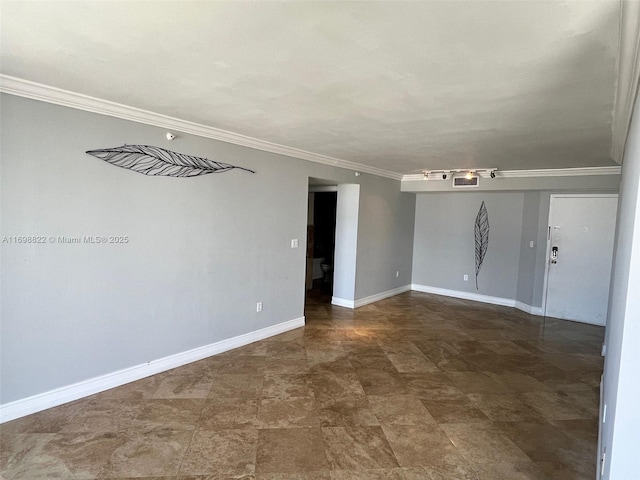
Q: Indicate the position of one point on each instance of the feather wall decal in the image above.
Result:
(481, 230)
(150, 160)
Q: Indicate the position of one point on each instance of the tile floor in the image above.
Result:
(413, 387)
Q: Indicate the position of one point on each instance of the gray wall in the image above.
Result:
(201, 251)
(621, 431)
(385, 238)
(528, 257)
(444, 248)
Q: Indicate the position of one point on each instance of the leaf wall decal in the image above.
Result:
(150, 160)
(481, 231)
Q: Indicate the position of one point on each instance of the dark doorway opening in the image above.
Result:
(321, 237)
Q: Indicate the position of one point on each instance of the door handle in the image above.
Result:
(554, 255)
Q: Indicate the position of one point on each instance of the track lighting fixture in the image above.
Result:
(469, 174)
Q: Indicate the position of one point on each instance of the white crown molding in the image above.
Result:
(542, 172)
(45, 93)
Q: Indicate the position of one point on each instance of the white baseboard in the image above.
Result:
(53, 398)
(530, 309)
(477, 297)
(343, 302)
(381, 296)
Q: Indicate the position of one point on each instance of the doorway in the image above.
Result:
(321, 234)
(579, 257)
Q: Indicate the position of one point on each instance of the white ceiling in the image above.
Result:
(400, 86)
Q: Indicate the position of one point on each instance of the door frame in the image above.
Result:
(548, 249)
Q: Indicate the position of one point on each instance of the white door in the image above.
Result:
(579, 256)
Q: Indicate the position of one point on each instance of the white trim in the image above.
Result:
(342, 302)
(53, 398)
(353, 304)
(561, 172)
(381, 296)
(476, 297)
(628, 78)
(542, 172)
(529, 308)
(44, 93)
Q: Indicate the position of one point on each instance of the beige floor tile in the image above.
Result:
(70, 456)
(464, 391)
(503, 407)
(288, 413)
(483, 442)
(333, 385)
(225, 413)
(381, 382)
(183, 386)
(176, 413)
(412, 363)
(346, 411)
(47, 421)
(510, 471)
(454, 410)
(550, 444)
(241, 385)
(431, 386)
(377, 474)
(329, 361)
(440, 472)
(555, 405)
(287, 386)
(400, 410)
(317, 475)
(147, 453)
(357, 448)
(290, 450)
(221, 453)
(104, 415)
(421, 445)
(477, 382)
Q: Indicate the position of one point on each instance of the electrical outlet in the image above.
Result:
(530, 243)
(397, 273)
(466, 277)
(259, 307)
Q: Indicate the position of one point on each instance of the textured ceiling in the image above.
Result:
(400, 86)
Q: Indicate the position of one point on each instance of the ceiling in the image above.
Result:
(398, 86)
